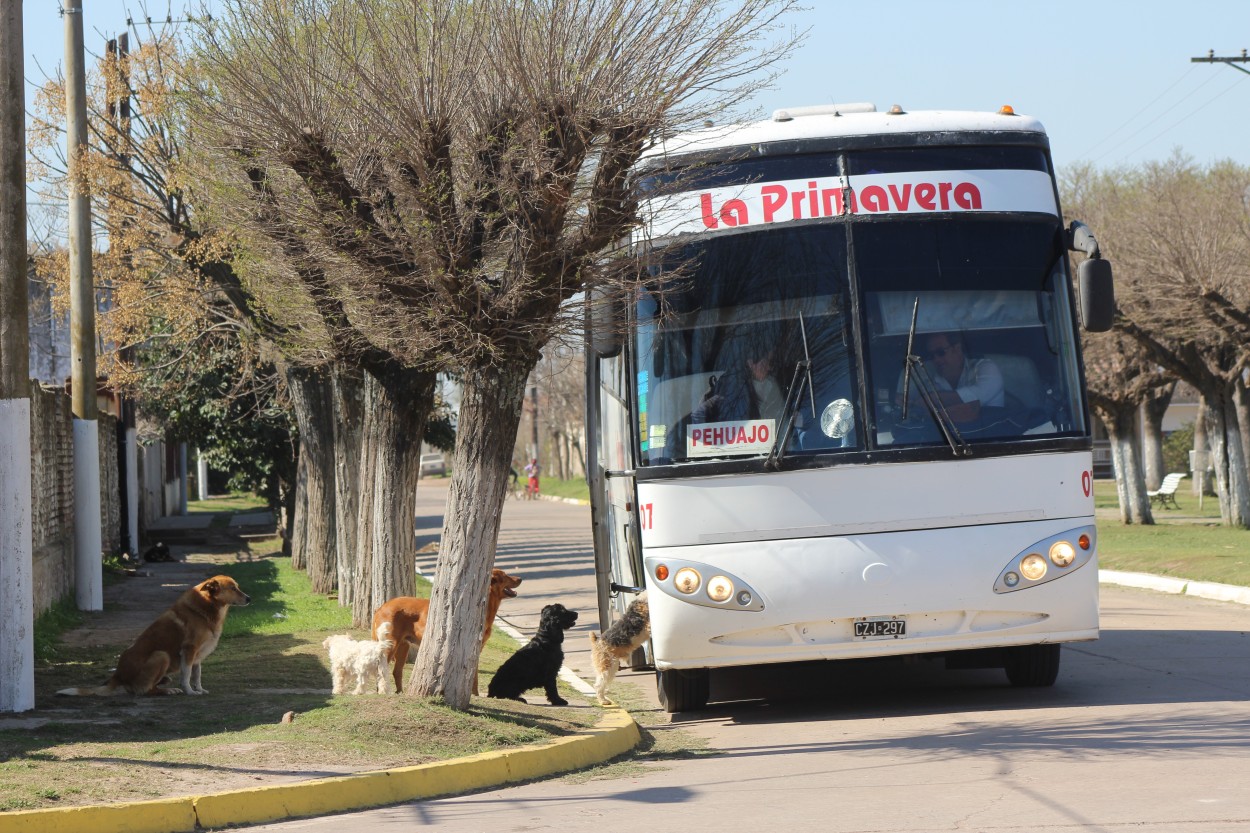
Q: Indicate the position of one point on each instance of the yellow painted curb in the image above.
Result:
(615, 734)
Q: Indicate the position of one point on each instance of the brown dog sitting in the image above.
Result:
(178, 640)
(407, 615)
(621, 639)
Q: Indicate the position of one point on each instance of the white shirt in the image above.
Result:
(981, 381)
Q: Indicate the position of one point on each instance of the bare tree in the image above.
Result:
(1151, 418)
(459, 168)
(1120, 376)
(1178, 235)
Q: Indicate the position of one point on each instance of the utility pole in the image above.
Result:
(88, 542)
(1232, 62)
(127, 435)
(17, 600)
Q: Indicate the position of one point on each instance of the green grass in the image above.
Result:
(1193, 550)
(576, 488)
(51, 624)
(236, 503)
(1105, 497)
(87, 750)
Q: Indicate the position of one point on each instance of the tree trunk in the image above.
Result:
(1227, 457)
(490, 414)
(397, 402)
(286, 515)
(1152, 411)
(310, 398)
(1202, 454)
(348, 398)
(1241, 407)
(299, 511)
(1130, 481)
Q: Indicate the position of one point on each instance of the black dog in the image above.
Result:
(158, 552)
(536, 664)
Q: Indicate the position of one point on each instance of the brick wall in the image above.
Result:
(52, 493)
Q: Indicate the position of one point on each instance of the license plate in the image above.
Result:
(892, 627)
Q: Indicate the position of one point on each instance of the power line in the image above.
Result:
(1124, 124)
(1194, 111)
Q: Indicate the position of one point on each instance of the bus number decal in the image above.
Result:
(1087, 482)
(644, 515)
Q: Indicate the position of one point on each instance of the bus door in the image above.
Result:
(619, 568)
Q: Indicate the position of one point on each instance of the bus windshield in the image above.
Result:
(743, 310)
(984, 302)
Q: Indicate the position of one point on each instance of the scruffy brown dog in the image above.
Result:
(607, 649)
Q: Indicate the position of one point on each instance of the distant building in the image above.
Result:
(49, 333)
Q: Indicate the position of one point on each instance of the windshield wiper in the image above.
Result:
(802, 375)
(928, 392)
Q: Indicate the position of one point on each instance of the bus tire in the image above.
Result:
(1033, 666)
(682, 690)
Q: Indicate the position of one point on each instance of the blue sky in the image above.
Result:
(1110, 79)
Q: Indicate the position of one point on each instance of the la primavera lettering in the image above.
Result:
(781, 204)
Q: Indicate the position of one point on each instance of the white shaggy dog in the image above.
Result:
(362, 661)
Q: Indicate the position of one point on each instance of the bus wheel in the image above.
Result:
(1033, 665)
(682, 690)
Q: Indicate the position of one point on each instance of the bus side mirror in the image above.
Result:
(1097, 295)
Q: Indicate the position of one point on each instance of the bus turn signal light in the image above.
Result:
(661, 571)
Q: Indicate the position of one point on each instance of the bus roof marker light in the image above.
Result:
(1006, 110)
(897, 110)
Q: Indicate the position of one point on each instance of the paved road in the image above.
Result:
(1148, 729)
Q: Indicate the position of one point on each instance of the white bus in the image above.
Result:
(848, 417)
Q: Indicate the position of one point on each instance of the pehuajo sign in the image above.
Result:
(715, 439)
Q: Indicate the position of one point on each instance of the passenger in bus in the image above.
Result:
(964, 385)
(748, 392)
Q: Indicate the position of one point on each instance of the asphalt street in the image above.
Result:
(1147, 729)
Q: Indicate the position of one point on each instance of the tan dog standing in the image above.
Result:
(178, 641)
(621, 639)
(407, 615)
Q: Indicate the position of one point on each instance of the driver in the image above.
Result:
(964, 385)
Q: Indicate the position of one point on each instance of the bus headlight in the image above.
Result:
(719, 588)
(1062, 554)
(1033, 566)
(687, 580)
(681, 579)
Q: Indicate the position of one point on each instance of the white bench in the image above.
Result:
(1165, 495)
